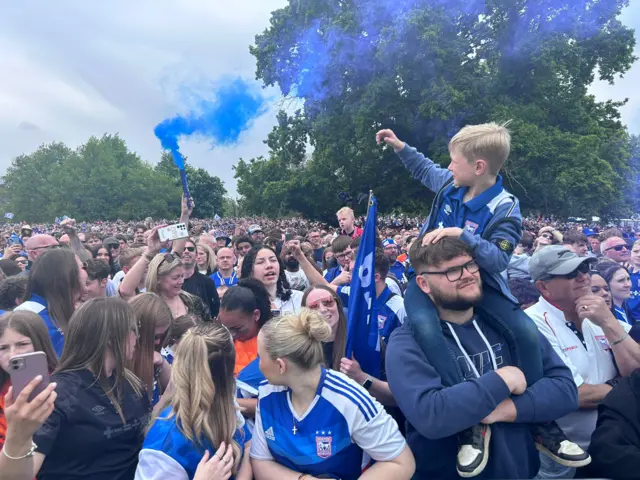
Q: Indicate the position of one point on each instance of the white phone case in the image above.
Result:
(173, 232)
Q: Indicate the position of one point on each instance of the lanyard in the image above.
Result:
(466, 355)
(224, 280)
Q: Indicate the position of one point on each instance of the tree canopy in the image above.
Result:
(102, 180)
(426, 68)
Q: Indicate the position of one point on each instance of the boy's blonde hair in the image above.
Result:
(490, 142)
(345, 211)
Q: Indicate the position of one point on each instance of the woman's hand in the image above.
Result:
(24, 417)
(153, 241)
(351, 368)
(217, 466)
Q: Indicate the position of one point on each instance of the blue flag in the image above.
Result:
(363, 341)
(8, 215)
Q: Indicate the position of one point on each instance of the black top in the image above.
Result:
(204, 288)
(615, 444)
(84, 437)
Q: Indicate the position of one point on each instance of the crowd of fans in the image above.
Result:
(502, 348)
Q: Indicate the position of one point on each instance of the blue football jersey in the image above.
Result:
(342, 430)
(167, 454)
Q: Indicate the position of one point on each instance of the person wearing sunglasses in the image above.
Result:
(196, 283)
(584, 333)
(38, 244)
(616, 249)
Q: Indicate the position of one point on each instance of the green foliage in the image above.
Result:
(426, 68)
(101, 180)
(208, 191)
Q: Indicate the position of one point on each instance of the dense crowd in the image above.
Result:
(496, 346)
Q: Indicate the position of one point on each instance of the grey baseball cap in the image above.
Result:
(555, 260)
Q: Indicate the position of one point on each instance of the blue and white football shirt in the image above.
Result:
(167, 454)
(335, 438)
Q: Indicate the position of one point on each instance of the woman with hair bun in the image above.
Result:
(312, 422)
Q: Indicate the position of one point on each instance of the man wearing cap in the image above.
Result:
(256, 234)
(584, 333)
(391, 251)
(112, 244)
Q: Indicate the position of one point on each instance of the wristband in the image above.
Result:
(28, 454)
(612, 383)
(622, 339)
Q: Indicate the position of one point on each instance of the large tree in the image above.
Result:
(426, 68)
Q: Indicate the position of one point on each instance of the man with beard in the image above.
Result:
(483, 376)
(196, 283)
(296, 277)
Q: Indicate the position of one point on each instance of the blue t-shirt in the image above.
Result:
(219, 280)
(329, 440)
(38, 304)
(633, 303)
(621, 315)
(166, 453)
(398, 271)
(332, 273)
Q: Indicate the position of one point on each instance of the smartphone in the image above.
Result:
(26, 367)
(173, 232)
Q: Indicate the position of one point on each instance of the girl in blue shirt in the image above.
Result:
(199, 414)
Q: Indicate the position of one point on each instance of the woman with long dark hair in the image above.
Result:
(154, 320)
(199, 415)
(56, 283)
(326, 302)
(96, 428)
(104, 254)
(263, 264)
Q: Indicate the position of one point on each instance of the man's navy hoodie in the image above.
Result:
(435, 414)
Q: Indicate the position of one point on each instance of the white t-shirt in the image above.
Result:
(297, 280)
(293, 305)
(593, 366)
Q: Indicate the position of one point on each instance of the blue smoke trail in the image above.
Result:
(236, 105)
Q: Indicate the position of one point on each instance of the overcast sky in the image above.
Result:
(72, 69)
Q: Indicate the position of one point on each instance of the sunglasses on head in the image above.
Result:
(617, 248)
(170, 257)
(582, 268)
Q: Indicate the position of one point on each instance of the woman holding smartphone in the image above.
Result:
(96, 428)
(20, 333)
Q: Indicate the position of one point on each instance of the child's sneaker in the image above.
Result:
(473, 450)
(551, 440)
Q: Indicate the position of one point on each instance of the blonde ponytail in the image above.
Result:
(203, 398)
(297, 337)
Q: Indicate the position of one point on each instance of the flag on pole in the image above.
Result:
(363, 340)
(8, 215)
(216, 217)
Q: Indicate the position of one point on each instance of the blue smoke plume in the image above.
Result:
(235, 106)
